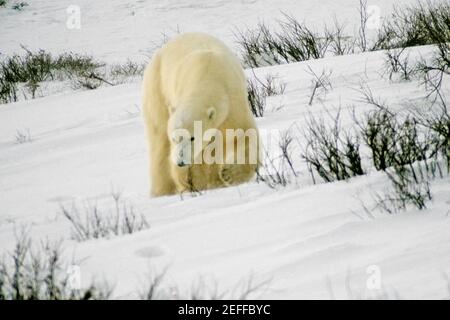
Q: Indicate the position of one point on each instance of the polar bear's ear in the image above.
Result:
(211, 112)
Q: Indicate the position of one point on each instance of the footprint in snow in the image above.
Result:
(150, 252)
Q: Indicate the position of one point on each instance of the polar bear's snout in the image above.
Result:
(182, 151)
(183, 157)
(185, 145)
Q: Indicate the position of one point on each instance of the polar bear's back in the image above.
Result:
(187, 57)
(188, 43)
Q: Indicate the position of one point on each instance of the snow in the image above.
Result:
(302, 241)
(131, 29)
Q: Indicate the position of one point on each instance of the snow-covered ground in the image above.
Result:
(118, 30)
(302, 241)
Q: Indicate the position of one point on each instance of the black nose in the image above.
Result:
(181, 164)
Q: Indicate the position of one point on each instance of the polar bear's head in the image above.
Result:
(189, 120)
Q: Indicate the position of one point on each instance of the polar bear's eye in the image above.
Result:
(192, 138)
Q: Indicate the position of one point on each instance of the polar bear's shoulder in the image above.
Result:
(195, 41)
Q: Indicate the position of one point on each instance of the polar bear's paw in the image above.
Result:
(228, 174)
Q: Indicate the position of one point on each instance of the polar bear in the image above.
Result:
(193, 84)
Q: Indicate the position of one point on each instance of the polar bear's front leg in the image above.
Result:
(232, 174)
(161, 180)
(156, 116)
(236, 171)
(186, 179)
(228, 174)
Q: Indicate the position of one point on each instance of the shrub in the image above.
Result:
(295, 42)
(277, 167)
(28, 274)
(339, 43)
(8, 90)
(128, 69)
(256, 98)
(332, 153)
(19, 6)
(378, 134)
(436, 119)
(91, 223)
(395, 63)
(410, 149)
(416, 25)
(410, 185)
(434, 70)
(272, 173)
(200, 290)
(286, 151)
(31, 67)
(393, 142)
(300, 42)
(273, 86)
(260, 47)
(320, 84)
(88, 81)
(35, 67)
(258, 91)
(362, 31)
(72, 64)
